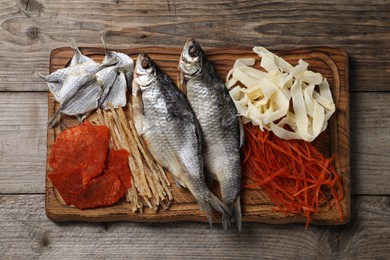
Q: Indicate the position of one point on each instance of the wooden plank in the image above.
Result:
(30, 29)
(23, 118)
(27, 233)
(256, 206)
(23, 142)
(370, 143)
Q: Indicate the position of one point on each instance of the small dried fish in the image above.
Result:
(83, 92)
(86, 84)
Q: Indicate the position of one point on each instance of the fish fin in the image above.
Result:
(208, 203)
(104, 44)
(137, 109)
(237, 213)
(53, 121)
(217, 204)
(98, 81)
(55, 89)
(82, 117)
(73, 45)
(204, 206)
(181, 82)
(235, 209)
(242, 133)
(126, 67)
(112, 61)
(225, 222)
(40, 75)
(178, 182)
(140, 102)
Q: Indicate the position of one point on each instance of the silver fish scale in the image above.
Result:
(168, 125)
(85, 100)
(173, 136)
(107, 77)
(117, 93)
(221, 133)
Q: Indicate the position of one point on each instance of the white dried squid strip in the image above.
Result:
(282, 96)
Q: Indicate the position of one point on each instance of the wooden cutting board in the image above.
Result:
(256, 207)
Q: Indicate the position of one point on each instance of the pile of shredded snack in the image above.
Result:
(296, 177)
(293, 102)
(285, 102)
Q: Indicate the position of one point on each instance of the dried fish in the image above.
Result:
(169, 127)
(80, 96)
(221, 128)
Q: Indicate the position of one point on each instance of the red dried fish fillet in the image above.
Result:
(78, 158)
(68, 184)
(104, 190)
(117, 161)
(82, 148)
(109, 187)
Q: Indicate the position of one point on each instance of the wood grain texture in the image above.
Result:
(35, 27)
(370, 143)
(256, 207)
(27, 233)
(22, 142)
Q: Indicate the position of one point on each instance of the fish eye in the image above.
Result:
(145, 64)
(193, 51)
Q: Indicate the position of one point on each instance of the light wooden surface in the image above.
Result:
(30, 29)
(255, 205)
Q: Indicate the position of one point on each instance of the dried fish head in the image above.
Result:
(79, 96)
(192, 58)
(145, 71)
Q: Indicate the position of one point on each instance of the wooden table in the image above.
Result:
(30, 29)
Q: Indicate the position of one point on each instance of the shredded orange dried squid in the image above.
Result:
(296, 177)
